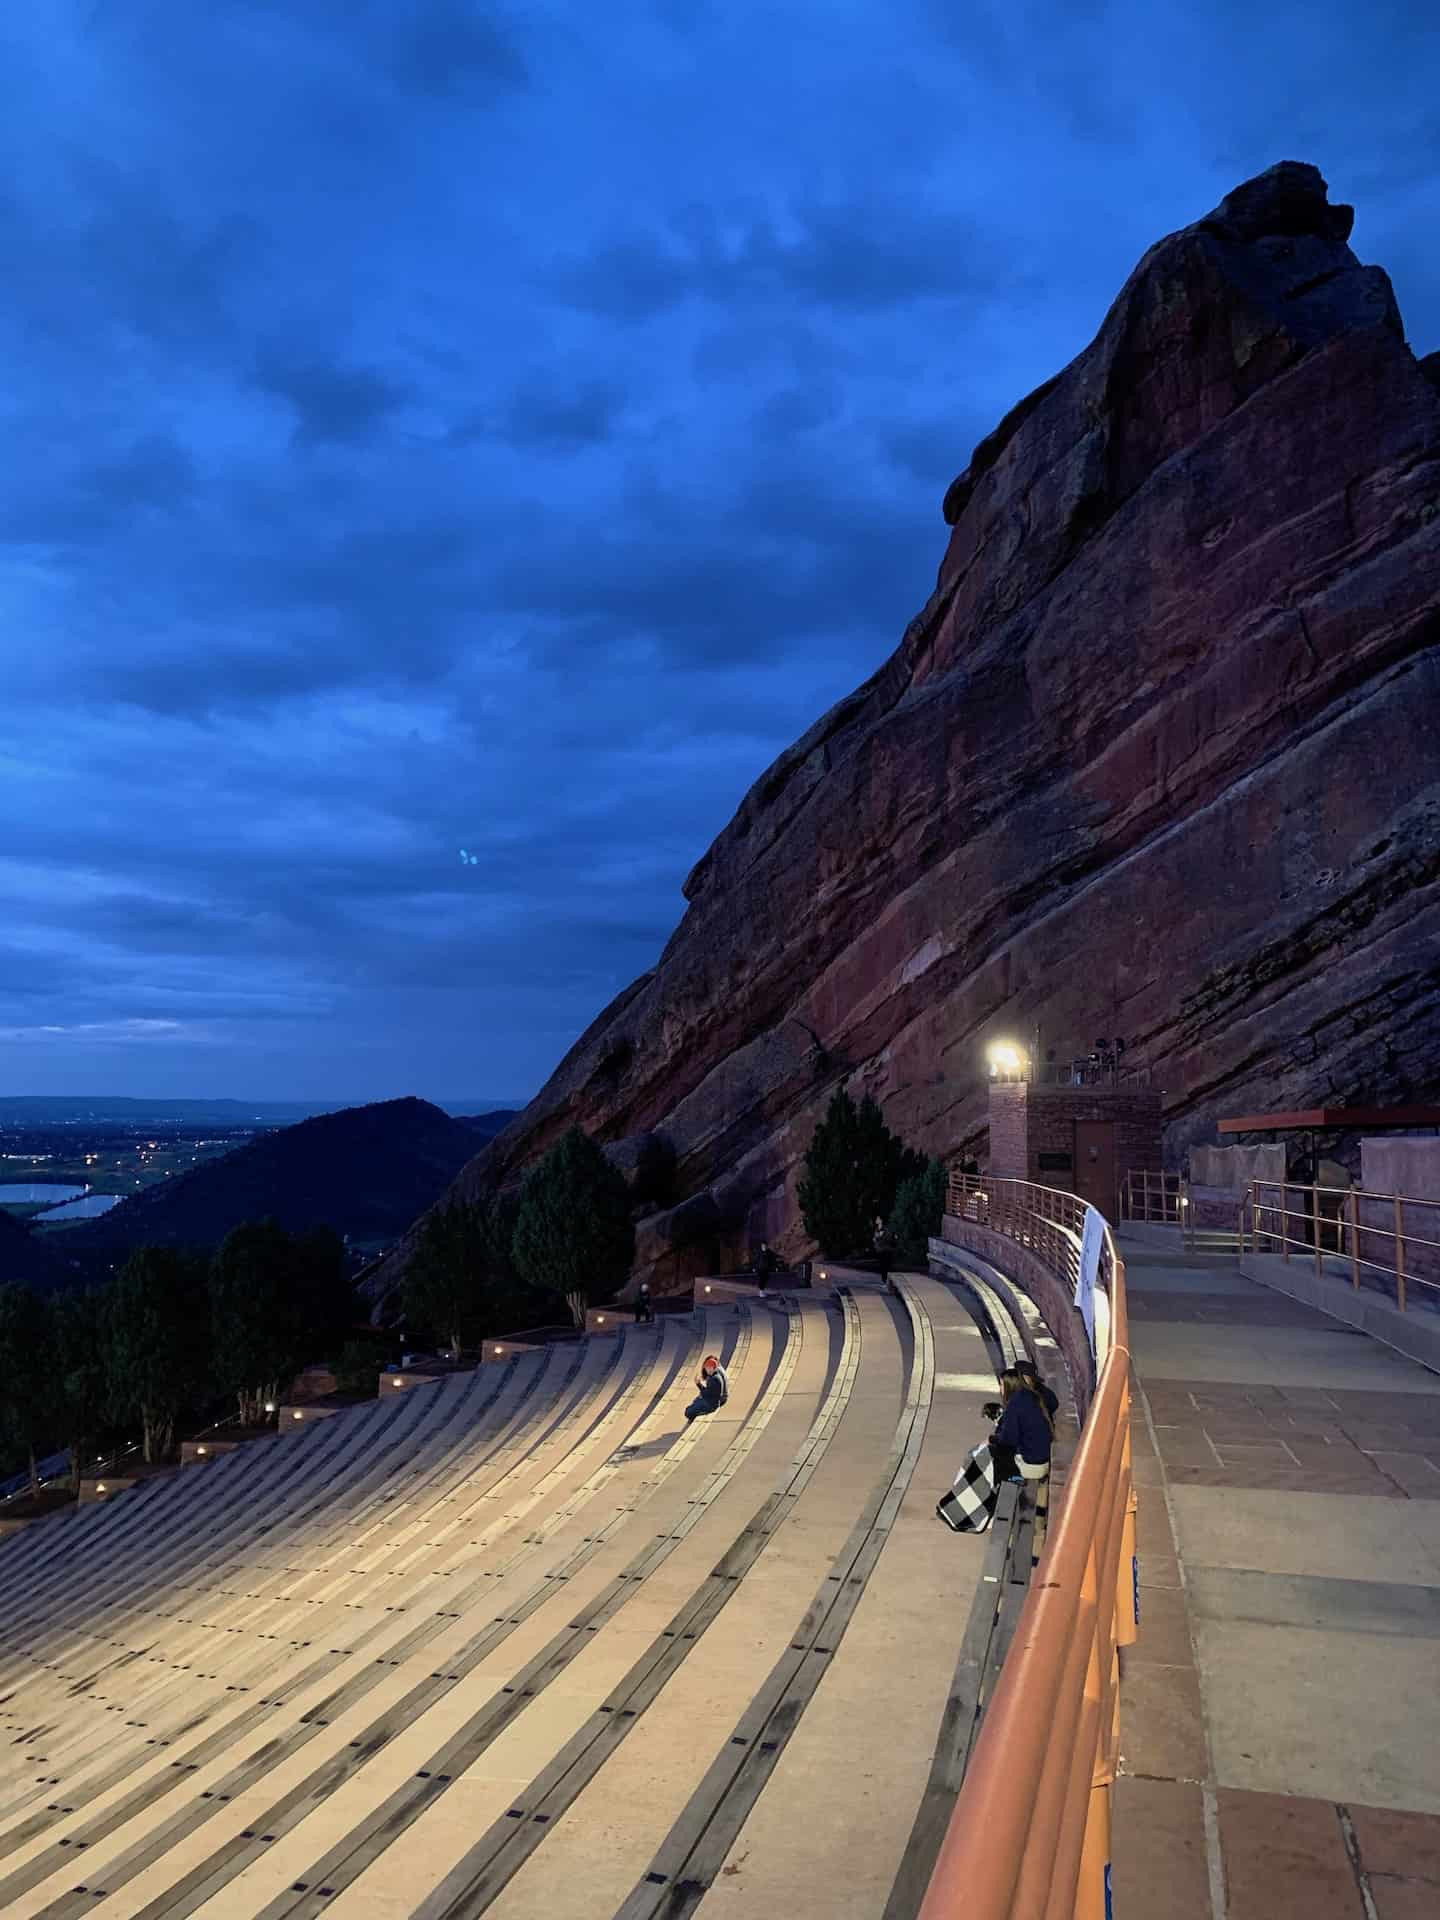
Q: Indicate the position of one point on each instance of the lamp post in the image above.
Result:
(1006, 1061)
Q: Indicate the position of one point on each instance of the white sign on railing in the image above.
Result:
(1091, 1240)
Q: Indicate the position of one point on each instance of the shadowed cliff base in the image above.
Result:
(1157, 757)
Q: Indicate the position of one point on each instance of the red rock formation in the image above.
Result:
(1160, 757)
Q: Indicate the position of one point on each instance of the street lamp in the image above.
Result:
(1007, 1061)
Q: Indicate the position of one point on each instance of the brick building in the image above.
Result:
(1083, 1139)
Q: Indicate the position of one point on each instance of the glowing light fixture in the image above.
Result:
(297, 1415)
(1007, 1061)
(396, 1381)
(100, 1486)
(269, 1406)
(202, 1451)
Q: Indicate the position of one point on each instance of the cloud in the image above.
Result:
(152, 475)
(445, 426)
(330, 401)
(856, 256)
(94, 1032)
(548, 415)
(449, 49)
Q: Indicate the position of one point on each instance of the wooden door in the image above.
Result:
(1097, 1177)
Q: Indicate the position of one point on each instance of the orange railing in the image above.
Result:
(1030, 1835)
(1390, 1241)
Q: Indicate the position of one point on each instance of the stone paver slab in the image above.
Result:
(1398, 1843)
(1403, 1899)
(1164, 1629)
(1339, 1535)
(1285, 1859)
(1162, 1731)
(1399, 1608)
(1333, 1715)
(1158, 1846)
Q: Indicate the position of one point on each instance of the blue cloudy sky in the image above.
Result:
(434, 425)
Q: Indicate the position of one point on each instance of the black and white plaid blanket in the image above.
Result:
(969, 1507)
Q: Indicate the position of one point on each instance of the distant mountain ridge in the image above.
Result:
(32, 1109)
(365, 1171)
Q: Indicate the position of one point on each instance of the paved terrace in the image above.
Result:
(1281, 1711)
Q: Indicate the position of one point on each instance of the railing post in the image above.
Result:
(1355, 1239)
(1285, 1222)
(1315, 1209)
(1400, 1251)
(1092, 1895)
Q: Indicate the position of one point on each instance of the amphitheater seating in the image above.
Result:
(516, 1642)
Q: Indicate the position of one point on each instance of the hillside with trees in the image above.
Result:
(26, 1258)
(365, 1171)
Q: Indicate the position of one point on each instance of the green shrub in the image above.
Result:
(359, 1364)
(919, 1210)
(574, 1238)
(853, 1171)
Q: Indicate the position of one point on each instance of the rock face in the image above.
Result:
(1160, 757)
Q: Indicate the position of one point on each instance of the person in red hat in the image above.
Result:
(714, 1389)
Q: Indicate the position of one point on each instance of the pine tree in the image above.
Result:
(26, 1400)
(258, 1318)
(81, 1370)
(574, 1237)
(159, 1339)
(461, 1283)
(853, 1171)
(919, 1209)
(833, 1210)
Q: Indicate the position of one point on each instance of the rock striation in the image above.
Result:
(1159, 757)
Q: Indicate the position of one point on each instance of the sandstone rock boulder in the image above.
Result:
(1159, 757)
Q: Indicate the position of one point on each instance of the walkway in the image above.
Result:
(1281, 1712)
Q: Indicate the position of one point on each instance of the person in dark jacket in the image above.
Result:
(712, 1389)
(644, 1312)
(1031, 1377)
(882, 1242)
(764, 1263)
(1022, 1439)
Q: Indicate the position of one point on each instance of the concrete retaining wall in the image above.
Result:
(1057, 1309)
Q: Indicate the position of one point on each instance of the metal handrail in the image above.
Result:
(1266, 1216)
(1030, 1835)
(1150, 1196)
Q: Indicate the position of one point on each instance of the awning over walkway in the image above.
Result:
(1336, 1120)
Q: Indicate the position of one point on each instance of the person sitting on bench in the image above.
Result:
(713, 1390)
(1031, 1377)
(1020, 1444)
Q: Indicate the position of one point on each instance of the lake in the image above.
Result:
(37, 1195)
(85, 1209)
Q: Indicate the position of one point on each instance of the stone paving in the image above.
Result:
(1280, 1711)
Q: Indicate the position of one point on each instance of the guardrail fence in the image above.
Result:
(1152, 1196)
(1388, 1241)
(1030, 1835)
